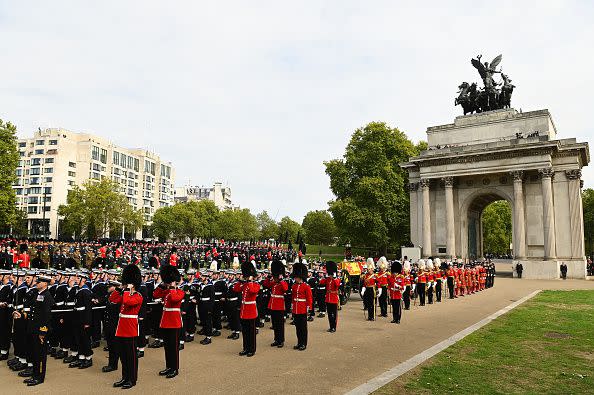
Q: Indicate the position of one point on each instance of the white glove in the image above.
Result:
(362, 291)
(413, 287)
(379, 292)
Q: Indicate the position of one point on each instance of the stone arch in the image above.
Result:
(471, 210)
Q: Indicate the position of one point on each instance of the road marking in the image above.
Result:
(400, 369)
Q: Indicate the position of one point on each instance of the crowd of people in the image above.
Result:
(163, 295)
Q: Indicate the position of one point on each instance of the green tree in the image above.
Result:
(267, 227)
(371, 207)
(588, 205)
(9, 159)
(163, 223)
(497, 227)
(228, 226)
(97, 208)
(287, 225)
(319, 227)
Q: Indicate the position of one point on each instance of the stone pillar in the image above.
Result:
(519, 226)
(426, 218)
(575, 213)
(449, 202)
(548, 214)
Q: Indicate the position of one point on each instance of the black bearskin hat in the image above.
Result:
(396, 267)
(24, 247)
(131, 275)
(277, 268)
(299, 270)
(173, 250)
(331, 268)
(248, 269)
(169, 274)
(155, 251)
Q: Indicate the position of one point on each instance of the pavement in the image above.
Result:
(333, 363)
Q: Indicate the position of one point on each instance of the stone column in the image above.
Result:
(449, 202)
(519, 226)
(548, 214)
(426, 218)
(575, 213)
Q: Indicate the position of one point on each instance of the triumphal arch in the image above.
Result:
(501, 155)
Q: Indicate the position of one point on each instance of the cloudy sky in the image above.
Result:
(257, 94)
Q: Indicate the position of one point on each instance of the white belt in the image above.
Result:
(18, 307)
(231, 299)
(300, 300)
(70, 304)
(79, 308)
(218, 293)
(252, 302)
(60, 311)
(26, 309)
(98, 307)
(59, 303)
(204, 299)
(321, 287)
(278, 296)
(128, 315)
(170, 308)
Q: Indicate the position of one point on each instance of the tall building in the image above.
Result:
(53, 161)
(219, 194)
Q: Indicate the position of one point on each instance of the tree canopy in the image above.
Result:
(267, 227)
(497, 227)
(588, 204)
(9, 159)
(319, 227)
(371, 205)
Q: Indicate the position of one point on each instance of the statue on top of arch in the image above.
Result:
(493, 96)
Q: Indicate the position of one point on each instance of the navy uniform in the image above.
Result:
(233, 306)
(205, 309)
(112, 312)
(82, 330)
(5, 314)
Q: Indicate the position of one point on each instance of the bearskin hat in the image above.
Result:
(155, 251)
(169, 274)
(396, 267)
(382, 263)
(248, 269)
(331, 268)
(24, 247)
(299, 270)
(173, 250)
(277, 268)
(131, 275)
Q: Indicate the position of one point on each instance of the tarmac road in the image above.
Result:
(332, 364)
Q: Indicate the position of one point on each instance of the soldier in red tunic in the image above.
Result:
(130, 302)
(332, 285)
(249, 311)
(396, 286)
(171, 321)
(278, 287)
(302, 302)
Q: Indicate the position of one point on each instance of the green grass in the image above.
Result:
(544, 346)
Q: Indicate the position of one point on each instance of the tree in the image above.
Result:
(267, 227)
(290, 227)
(194, 219)
(371, 207)
(163, 223)
(9, 160)
(588, 205)
(228, 226)
(96, 209)
(319, 227)
(497, 227)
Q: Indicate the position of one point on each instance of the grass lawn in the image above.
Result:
(544, 346)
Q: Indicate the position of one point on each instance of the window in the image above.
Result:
(21, 163)
(116, 158)
(34, 181)
(136, 164)
(18, 191)
(33, 200)
(38, 152)
(71, 164)
(70, 183)
(35, 191)
(19, 172)
(35, 171)
(47, 190)
(49, 160)
(53, 142)
(32, 210)
(95, 153)
(96, 167)
(71, 174)
(48, 170)
(22, 145)
(95, 176)
(48, 179)
(103, 157)
(39, 142)
(130, 162)
(35, 161)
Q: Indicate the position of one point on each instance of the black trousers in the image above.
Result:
(369, 302)
(438, 290)
(5, 327)
(234, 322)
(301, 328)
(206, 319)
(406, 297)
(171, 345)
(248, 332)
(421, 293)
(97, 315)
(141, 339)
(396, 310)
(321, 301)
(216, 316)
(451, 287)
(38, 356)
(19, 337)
(430, 294)
(332, 309)
(383, 302)
(83, 341)
(128, 357)
(113, 346)
(278, 324)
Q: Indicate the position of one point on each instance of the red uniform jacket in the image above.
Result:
(130, 306)
(24, 258)
(249, 293)
(172, 300)
(302, 298)
(396, 285)
(381, 279)
(103, 252)
(173, 259)
(369, 280)
(277, 294)
(332, 285)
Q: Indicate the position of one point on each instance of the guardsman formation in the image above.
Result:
(427, 281)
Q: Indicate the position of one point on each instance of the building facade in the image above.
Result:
(53, 161)
(219, 194)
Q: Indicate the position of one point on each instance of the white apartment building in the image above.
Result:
(219, 194)
(54, 160)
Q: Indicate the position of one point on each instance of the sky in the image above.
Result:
(258, 94)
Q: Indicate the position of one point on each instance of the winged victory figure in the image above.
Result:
(487, 70)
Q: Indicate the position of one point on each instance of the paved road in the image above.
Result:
(332, 364)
